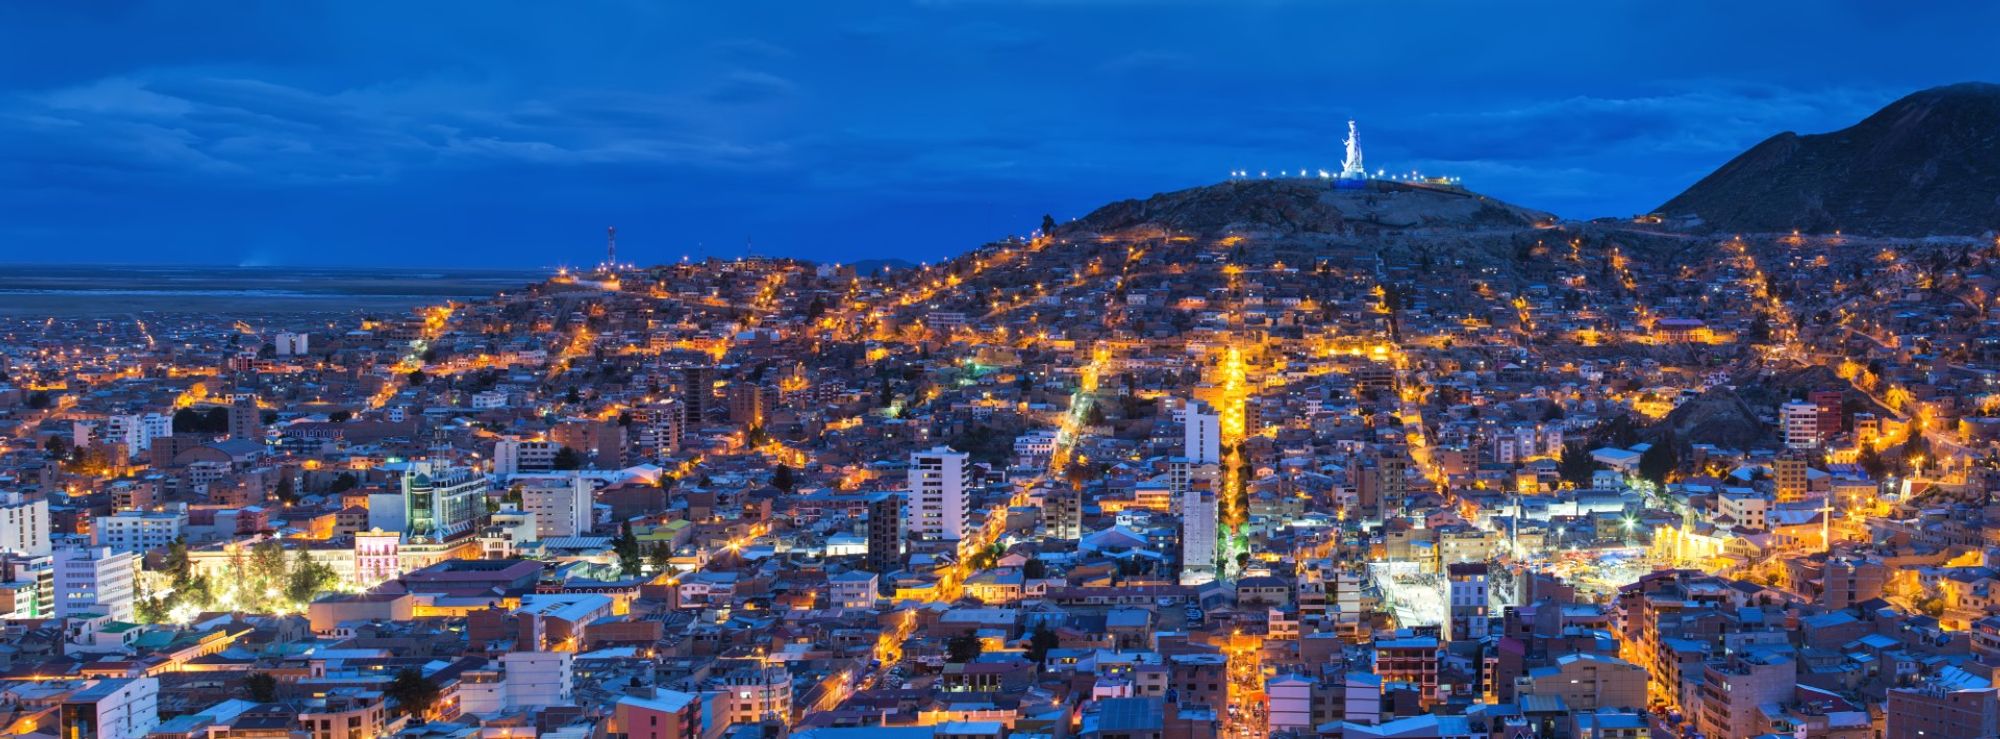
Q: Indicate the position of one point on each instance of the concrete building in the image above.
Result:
(290, 344)
(668, 714)
(1201, 439)
(1467, 601)
(138, 531)
(1587, 682)
(434, 502)
(1198, 537)
(1937, 712)
(939, 481)
(24, 525)
(515, 456)
(95, 580)
(111, 708)
(1800, 422)
(885, 533)
(853, 589)
(561, 504)
(345, 713)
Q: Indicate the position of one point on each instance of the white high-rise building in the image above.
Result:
(95, 580)
(138, 531)
(1801, 424)
(111, 708)
(1198, 537)
(939, 479)
(1203, 435)
(24, 525)
(561, 504)
(289, 344)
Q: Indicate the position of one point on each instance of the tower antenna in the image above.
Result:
(611, 247)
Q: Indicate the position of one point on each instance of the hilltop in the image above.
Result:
(1928, 164)
(1290, 207)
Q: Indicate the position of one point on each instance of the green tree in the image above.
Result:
(1039, 644)
(567, 459)
(1659, 460)
(962, 648)
(413, 693)
(178, 565)
(308, 579)
(781, 478)
(286, 491)
(626, 546)
(261, 687)
(1035, 569)
(660, 557)
(343, 482)
(1576, 465)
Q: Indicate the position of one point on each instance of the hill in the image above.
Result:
(1928, 164)
(1288, 207)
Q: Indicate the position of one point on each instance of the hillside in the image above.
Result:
(1928, 164)
(1286, 207)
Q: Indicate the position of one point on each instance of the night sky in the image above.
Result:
(510, 134)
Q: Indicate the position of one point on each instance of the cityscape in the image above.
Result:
(1337, 449)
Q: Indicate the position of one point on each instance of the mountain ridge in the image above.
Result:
(1927, 164)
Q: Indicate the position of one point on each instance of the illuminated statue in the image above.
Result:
(1352, 169)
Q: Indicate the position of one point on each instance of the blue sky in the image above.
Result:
(511, 134)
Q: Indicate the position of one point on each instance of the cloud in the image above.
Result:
(743, 87)
(168, 123)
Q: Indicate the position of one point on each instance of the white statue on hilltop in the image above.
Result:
(1352, 169)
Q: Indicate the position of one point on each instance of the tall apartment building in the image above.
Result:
(1198, 537)
(245, 420)
(138, 531)
(1062, 512)
(290, 344)
(111, 708)
(939, 481)
(885, 533)
(1201, 440)
(95, 580)
(748, 403)
(1789, 472)
(24, 525)
(561, 504)
(656, 429)
(1467, 601)
(1801, 424)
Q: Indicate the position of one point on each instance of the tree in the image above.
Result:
(1039, 644)
(413, 693)
(1048, 224)
(340, 416)
(1035, 569)
(57, 447)
(781, 478)
(261, 687)
(567, 459)
(417, 377)
(343, 482)
(308, 579)
(1576, 465)
(286, 492)
(626, 546)
(661, 557)
(963, 648)
(1658, 460)
(177, 564)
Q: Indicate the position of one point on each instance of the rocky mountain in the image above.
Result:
(1290, 207)
(1928, 164)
